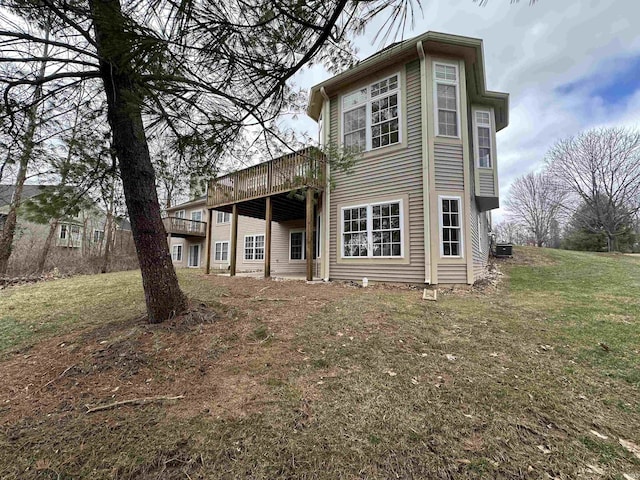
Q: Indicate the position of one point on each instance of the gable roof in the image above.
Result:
(28, 191)
(191, 203)
(470, 49)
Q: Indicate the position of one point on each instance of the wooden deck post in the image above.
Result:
(309, 234)
(267, 238)
(234, 239)
(208, 227)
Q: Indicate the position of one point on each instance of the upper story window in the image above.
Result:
(483, 138)
(223, 217)
(371, 115)
(446, 99)
(196, 215)
(180, 214)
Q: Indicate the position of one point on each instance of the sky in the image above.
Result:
(568, 65)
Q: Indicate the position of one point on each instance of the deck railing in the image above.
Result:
(184, 226)
(304, 168)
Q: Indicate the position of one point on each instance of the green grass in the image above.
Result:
(374, 384)
(37, 311)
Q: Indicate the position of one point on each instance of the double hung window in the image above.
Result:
(222, 252)
(223, 217)
(254, 247)
(483, 138)
(176, 253)
(450, 227)
(371, 115)
(446, 93)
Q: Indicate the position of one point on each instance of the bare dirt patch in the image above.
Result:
(214, 354)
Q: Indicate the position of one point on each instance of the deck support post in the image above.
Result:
(267, 237)
(208, 248)
(309, 234)
(234, 239)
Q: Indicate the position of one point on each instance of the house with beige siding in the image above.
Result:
(415, 207)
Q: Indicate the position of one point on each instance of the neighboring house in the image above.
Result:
(416, 205)
(186, 227)
(84, 231)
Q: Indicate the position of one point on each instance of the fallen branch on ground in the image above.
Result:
(133, 401)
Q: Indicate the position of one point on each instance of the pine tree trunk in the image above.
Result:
(42, 260)
(163, 296)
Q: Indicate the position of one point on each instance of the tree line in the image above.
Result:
(587, 196)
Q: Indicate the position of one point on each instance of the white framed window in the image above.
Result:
(446, 99)
(254, 247)
(180, 214)
(196, 215)
(298, 245)
(482, 138)
(63, 231)
(98, 236)
(194, 256)
(373, 230)
(223, 217)
(176, 253)
(450, 209)
(75, 234)
(371, 115)
(221, 252)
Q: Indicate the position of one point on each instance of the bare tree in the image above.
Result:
(600, 169)
(535, 202)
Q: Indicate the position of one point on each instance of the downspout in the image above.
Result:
(326, 205)
(425, 163)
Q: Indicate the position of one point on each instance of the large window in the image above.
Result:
(223, 217)
(254, 247)
(450, 227)
(446, 99)
(371, 115)
(483, 138)
(176, 253)
(221, 251)
(373, 230)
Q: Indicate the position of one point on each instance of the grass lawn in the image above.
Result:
(538, 377)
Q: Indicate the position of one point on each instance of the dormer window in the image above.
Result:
(371, 115)
(446, 99)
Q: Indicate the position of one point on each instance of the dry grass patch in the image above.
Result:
(289, 380)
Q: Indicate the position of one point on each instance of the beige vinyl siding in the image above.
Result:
(487, 182)
(221, 232)
(186, 243)
(480, 243)
(449, 166)
(449, 181)
(280, 263)
(452, 273)
(385, 174)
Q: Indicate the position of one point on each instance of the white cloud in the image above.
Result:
(530, 51)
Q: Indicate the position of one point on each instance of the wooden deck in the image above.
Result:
(302, 169)
(184, 227)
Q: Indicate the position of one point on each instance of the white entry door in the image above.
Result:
(194, 255)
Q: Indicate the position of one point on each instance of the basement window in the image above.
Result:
(254, 247)
(221, 251)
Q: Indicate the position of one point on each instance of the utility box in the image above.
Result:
(504, 250)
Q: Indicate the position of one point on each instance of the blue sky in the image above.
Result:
(569, 65)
